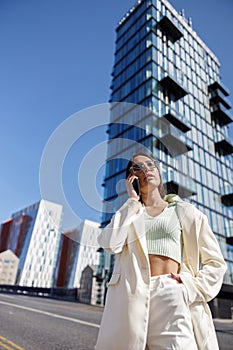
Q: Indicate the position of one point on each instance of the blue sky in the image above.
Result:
(56, 59)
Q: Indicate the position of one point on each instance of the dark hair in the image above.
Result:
(129, 165)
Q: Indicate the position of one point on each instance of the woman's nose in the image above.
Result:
(146, 168)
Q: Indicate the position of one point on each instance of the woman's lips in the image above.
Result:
(149, 176)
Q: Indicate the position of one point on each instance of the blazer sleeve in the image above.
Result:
(206, 284)
(113, 236)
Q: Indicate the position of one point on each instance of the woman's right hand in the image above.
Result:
(130, 189)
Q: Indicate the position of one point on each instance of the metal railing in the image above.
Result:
(56, 293)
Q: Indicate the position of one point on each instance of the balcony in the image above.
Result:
(175, 118)
(223, 146)
(221, 114)
(174, 83)
(229, 234)
(175, 141)
(170, 28)
(227, 196)
(218, 85)
(229, 240)
(180, 184)
(218, 97)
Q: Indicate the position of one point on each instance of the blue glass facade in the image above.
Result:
(162, 64)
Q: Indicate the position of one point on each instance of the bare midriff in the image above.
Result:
(162, 265)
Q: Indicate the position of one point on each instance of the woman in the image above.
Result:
(158, 293)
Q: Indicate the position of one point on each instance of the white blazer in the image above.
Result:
(125, 318)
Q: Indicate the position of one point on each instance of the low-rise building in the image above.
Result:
(8, 267)
(91, 289)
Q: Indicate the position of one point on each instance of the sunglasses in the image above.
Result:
(139, 167)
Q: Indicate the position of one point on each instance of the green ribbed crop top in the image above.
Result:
(163, 233)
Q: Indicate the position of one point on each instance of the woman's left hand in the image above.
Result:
(176, 277)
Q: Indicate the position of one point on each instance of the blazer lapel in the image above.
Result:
(189, 231)
(139, 226)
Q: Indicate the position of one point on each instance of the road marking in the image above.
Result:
(4, 346)
(79, 308)
(5, 342)
(91, 308)
(52, 314)
(223, 320)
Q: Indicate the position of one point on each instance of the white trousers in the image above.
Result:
(170, 325)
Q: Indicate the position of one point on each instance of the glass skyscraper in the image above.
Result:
(162, 64)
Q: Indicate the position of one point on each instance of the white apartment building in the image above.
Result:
(86, 234)
(40, 250)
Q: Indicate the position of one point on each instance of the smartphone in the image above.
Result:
(136, 186)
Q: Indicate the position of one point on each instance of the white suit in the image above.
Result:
(125, 318)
